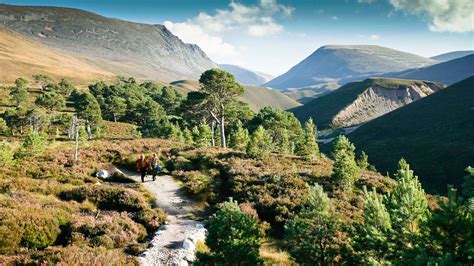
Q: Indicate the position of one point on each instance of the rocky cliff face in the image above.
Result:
(377, 100)
(122, 47)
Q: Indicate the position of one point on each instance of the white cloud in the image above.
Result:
(206, 30)
(374, 37)
(443, 15)
(214, 46)
(334, 18)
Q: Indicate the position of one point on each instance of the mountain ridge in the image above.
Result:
(122, 47)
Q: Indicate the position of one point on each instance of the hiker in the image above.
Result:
(142, 165)
(155, 164)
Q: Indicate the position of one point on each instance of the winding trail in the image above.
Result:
(175, 242)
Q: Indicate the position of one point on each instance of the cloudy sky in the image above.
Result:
(273, 35)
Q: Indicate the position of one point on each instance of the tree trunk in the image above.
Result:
(115, 118)
(77, 142)
(213, 127)
(89, 131)
(223, 144)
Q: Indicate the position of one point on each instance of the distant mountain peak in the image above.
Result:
(246, 76)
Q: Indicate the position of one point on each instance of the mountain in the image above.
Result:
(344, 63)
(358, 102)
(447, 72)
(256, 97)
(452, 55)
(246, 76)
(435, 135)
(121, 47)
(20, 56)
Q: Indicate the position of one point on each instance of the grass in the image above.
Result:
(273, 254)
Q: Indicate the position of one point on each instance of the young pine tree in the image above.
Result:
(452, 231)
(188, 136)
(408, 207)
(373, 240)
(202, 135)
(233, 238)
(312, 234)
(6, 154)
(260, 143)
(33, 145)
(239, 138)
(345, 171)
(363, 161)
(308, 147)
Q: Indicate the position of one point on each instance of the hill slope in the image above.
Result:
(246, 76)
(121, 47)
(359, 102)
(452, 55)
(447, 72)
(20, 56)
(256, 97)
(435, 135)
(344, 63)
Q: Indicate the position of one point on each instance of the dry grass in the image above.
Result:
(273, 254)
(22, 57)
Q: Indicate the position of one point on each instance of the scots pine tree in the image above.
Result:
(372, 239)
(202, 135)
(312, 235)
(345, 171)
(308, 147)
(6, 154)
(233, 238)
(188, 136)
(260, 143)
(19, 95)
(363, 161)
(407, 206)
(239, 138)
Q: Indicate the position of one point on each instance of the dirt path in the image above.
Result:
(175, 242)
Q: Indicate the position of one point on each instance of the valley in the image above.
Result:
(127, 142)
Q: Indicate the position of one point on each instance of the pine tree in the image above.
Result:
(363, 161)
(308, 147)
(345, 171)
(33, 145)
(260, 143)
(233, 238)
(202, 135)
(239, 138)
(452, 230)
(312, 234)
(373, 235)
(285, 145)
(188, 136)
(6, 154)
(176, 134)
(407, 206)
(19, 95)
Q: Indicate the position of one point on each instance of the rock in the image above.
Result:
(188, 244)
(102, 174)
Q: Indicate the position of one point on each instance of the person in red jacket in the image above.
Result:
(142, 165)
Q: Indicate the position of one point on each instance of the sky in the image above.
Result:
(273, 35)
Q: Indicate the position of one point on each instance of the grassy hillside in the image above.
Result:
(326, 108)
(434, 134)
(256, 97)
(452, 55)
(447, 72)
(20, 56)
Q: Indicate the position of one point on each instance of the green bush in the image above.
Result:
(199, 185)
(6, 154)
(10, 232)
(40, 230)
(33, 145)
(233, 237)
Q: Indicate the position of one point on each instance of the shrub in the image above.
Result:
(106, 197)
(233, 237)
(40, 230)
(152, 219)
(6, 154)
(10, 232)
(33, 145)
(199, 185)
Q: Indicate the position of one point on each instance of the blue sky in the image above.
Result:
(273, 35)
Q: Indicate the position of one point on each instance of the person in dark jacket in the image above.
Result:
(142, 165)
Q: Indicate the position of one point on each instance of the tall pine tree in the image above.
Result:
(345, 171)
(307, 146)
(260, 143)
(239, 138)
